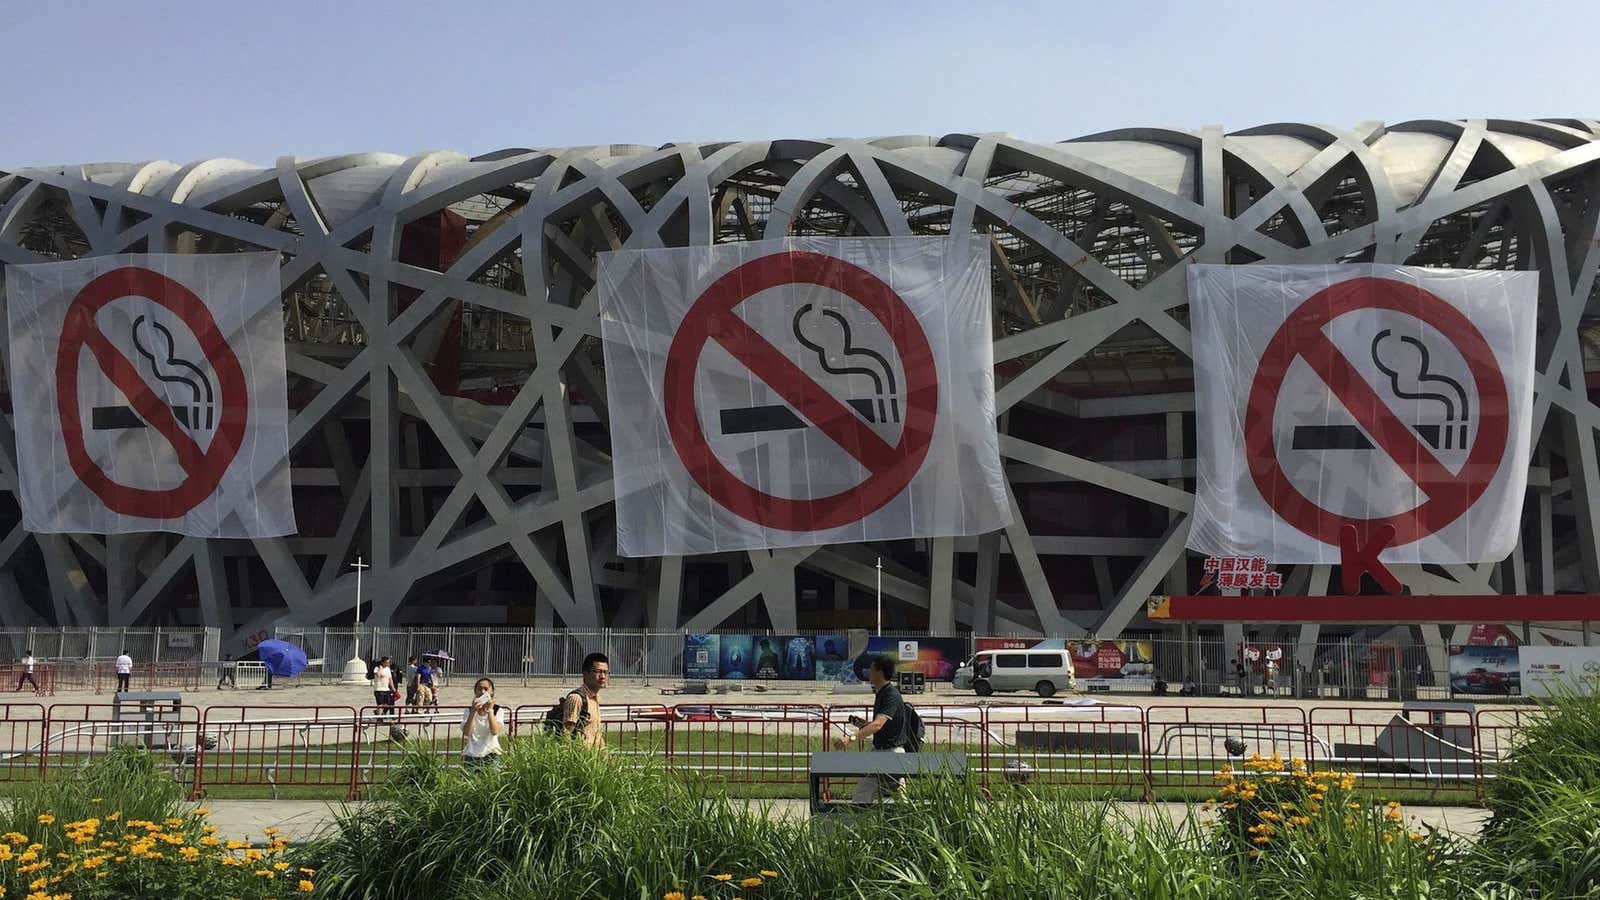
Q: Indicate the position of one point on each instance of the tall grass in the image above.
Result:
(555, 820)
(1543, 835)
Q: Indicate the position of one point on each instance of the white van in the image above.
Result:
(1042, 671)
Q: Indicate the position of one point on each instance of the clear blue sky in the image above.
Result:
(94, 81)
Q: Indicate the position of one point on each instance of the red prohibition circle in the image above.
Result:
(203, 470)
(712, 317)
(1449, 494)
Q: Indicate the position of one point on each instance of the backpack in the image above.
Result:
(913, 731)
(553, 722)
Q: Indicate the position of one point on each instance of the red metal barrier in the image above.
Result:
(747, 743)
(1187, 745)
(76, 733)
(22, 735)
(278, 747)
(149, 677)
(1097, 748)
(13, 679)
(1497, 732)
(1431, 750)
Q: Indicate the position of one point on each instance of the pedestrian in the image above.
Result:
(225, 672)
(887, 729)
(27, 672)
(124, 670)
(1243, 677)
(482, 726)
(383, 685)
(1272, 677)
(580, 708)
(411, 684)
(427, 697)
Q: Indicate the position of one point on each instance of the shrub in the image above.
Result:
(1543, 835)
(120, 830)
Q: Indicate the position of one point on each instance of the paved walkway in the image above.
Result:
(299, 820)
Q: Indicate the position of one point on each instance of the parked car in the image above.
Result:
(1042, 671)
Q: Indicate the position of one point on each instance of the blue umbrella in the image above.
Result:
(282, 658)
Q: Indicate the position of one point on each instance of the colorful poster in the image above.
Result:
(935, 658)
(1485, 669)
(736, 656)
(1112, 659)
(768, 664)
(702, 657)
(832, 655)
(1554, 671)
(799, 659)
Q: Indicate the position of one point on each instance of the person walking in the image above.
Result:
(225, 673)
(124, 666)
(580, 709)
(482, 726)
(27, 672)
(427, 696)
(383, 685)
(887, 729)
(411, 684)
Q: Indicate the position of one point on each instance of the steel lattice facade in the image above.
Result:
(447, 390)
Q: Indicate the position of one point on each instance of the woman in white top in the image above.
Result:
(482, 726)
(383, 685)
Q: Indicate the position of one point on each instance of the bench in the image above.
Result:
(859, 764)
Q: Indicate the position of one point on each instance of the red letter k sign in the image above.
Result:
(1357, 559)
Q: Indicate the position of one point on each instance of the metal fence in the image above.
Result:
(145, 645)
(1170, 751)
(1342, 669)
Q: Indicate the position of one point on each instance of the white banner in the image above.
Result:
(1551, 671)
(1363, 395)
(800, 391)
(150, 395)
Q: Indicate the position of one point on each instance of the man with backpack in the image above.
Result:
(895, 727)
(578, 713)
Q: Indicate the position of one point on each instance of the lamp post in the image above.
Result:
(879, 567)
(355, 671)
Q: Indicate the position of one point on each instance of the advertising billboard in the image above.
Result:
(1485, 669)
(1553, 671)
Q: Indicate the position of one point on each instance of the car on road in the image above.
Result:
(1044, 672)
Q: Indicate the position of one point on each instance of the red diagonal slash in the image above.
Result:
(150, 407)
(808, 398)
(1372, 413)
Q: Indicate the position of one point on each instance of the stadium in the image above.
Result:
(449, 418)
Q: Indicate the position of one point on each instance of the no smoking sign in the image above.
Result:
(161, 395)
(1364, 398)
(800, 391)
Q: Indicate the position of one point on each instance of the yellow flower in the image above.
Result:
(209, 841)
(768, 873)
(722, 878)
(237, 845)
(698, 897)
(305, 871)
(1415, 837)
(1393, 804)
(190, 853)
(307, 887)
(1388, 838)
(750, 882)
(264, 873)
(37, 883)
(1353, 805)
(174, 822)
(672, 895)
(269, 832)
(231, 861)
(1261, 840)
(281, 866)
(203, 811)
(47, 819)
(253, 855)
(14, 837)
